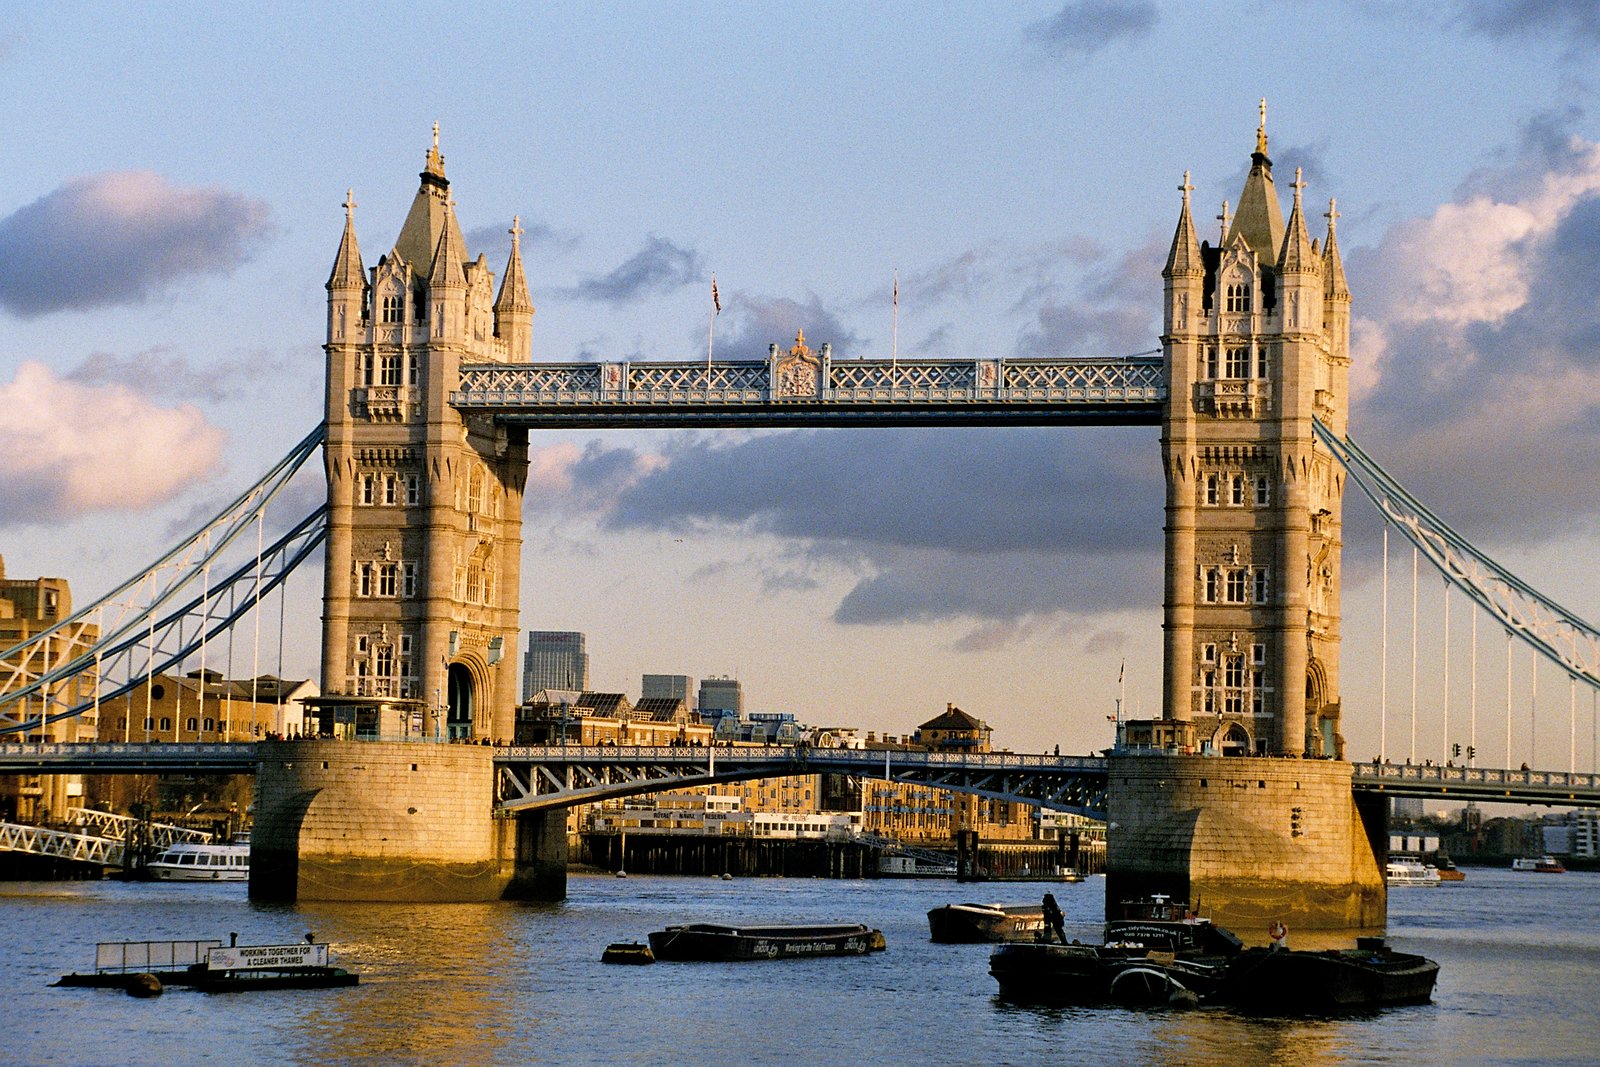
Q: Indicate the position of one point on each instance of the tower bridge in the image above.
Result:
(431, 396)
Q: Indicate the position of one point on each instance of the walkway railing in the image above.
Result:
(1522, 786)
(60, 844)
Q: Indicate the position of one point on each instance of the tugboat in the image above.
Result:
(1155, 952)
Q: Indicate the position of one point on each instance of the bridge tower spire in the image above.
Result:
(425, 503)
(1255, 349)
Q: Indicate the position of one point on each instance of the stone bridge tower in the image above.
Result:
(1256, 345)
(425, 505)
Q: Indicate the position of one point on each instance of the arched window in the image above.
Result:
(393, 308)
(1239, 298)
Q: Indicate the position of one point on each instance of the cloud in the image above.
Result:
(120, 238)
(160, 372)
(1001, 526)
(1476, 346)
(1560, 20)
(1084, 27)
(67, 449)
(659, 267)
(749, 324)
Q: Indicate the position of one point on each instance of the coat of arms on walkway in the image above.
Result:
(798, 374)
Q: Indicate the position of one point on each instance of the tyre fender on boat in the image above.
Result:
(1143, 985)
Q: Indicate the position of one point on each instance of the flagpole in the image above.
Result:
(894, 351)
(711, 330)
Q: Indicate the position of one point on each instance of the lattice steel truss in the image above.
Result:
(1558, 634)
(1127, 389)
(157, 619)
(537, 778)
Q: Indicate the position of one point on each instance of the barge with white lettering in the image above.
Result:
(714, 943)
(145, 967)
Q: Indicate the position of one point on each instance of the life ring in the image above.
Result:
(1277, 931)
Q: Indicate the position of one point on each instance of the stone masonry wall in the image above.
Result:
(356, 820)
(1249, 840)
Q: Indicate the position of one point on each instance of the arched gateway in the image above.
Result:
(430, 393)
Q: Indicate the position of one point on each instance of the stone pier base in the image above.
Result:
(384, 821)
(1248, 840)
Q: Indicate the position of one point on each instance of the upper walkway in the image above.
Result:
(807, 390)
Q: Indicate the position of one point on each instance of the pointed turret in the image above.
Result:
(1333, 281)
(348, 272)
(1298, 255)
(1184, 258)
(429, 217)
(1259, 220)
(513, 308)
(449, 255)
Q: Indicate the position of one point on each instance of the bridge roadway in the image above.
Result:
(533, 778)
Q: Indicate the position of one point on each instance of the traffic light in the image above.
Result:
(1471, 751)
(1455, 750)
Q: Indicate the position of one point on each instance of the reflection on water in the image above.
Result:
(510, 983)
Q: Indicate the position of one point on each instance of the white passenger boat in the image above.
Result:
(188, 861)
(1543, 865)
(1408, 870)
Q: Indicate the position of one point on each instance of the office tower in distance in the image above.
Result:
(668, 687)
(721, 696)
(555, 660)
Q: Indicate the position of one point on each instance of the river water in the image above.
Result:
(517, 983)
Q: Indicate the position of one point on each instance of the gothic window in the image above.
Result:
(1263, 491)
(1239, 298)
(1237, 499)
(386, 579)
(389, 369)
(1261, 361)
(1211, 489)
(1260, 588)
(364, 579)
(369, 494)
(393, 308)
(411, 369)
(413, 490)
(385, 665)
(1211, 361)
(1233, 685)
(1236, 586)
(408, 579)
(475, 492)
(474, 584)
(192, 724)
(1238, 364)
(405, 657)
(364, 369)
(210, 723)
(1208, 689)
(1211, 586)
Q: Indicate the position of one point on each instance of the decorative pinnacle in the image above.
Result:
(1261, 130)
(1332, 213)
(1224, 218)
(436, 127)
(349, 204)
(1186, 188)
(516, 231)
(1297, 185)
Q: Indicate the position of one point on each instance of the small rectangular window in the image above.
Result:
(364, 579)
(1263, 491)
(1211, 587)
(391, 490)
(369, 494)
(408, 588)
(1208, 652)
(1211, 489)
(1237, 487)
(1260, 590)
(413, 490)
(1258, 654)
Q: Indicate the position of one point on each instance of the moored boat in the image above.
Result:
(211, 968)
(716, 943)
(191, 861)
(972, 923)
(1542, 865)
(1272, 981)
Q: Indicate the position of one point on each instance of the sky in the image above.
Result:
(173, 205)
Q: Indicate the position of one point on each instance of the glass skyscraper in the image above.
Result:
(555, 659)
